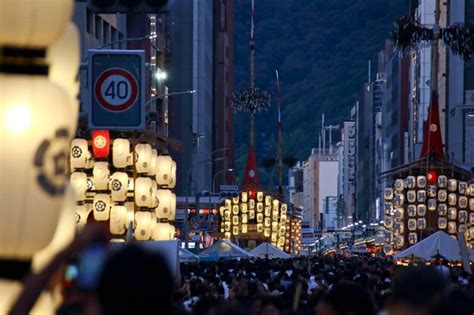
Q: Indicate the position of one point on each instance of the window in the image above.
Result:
(98, 27)
(89, 21)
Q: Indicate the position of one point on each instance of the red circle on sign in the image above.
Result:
(133, 93)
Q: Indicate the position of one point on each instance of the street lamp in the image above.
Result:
(215, 175)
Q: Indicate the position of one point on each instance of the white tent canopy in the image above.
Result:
(438, 243)
(266, 250)
(223, 249)
(186, 256)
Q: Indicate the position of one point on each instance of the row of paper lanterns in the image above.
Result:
(407, 203)
(110, 193)
(267, 214)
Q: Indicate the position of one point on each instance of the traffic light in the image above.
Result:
(130, 6)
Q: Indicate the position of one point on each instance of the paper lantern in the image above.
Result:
(101, 207)
(452, 227)
(268, 200)
(243, 208)
(101, 143)
(431, 191)
(153, 163)
(274, 226)
(452, 199)
(421, 210)
(235, 200)
(267, 232)
(81, 215)
(235, 209)
(442, 195)
(167, 205)
(251, 204)
(432, 204)
(388, 194)
(227, 235)
(251, 214)
(388, 237)
(244, 197)
(421, 195)
(388, 249)
(421, 181)
(410, 182)
(259, 227)
(260, 196)
(452, 184)
(411, 196)
(421, 223)
(281, 242)
(412, 238)
(274, 238)
(452, 213)
(143, 226)
(260, 206)
(412, 224)
(462, 202)
(227, 215)
(462, 188)
(33, 161)
(235, 220)
(163, 232)
(101, 175)
(259, 217)
(398, 228)
(118, 186)
(143, 190)
(283, 219)
(227, 226)
(164, 176)
(90, 184)
(121, 155)
(471, 232)
(244, 228)
(282, 231)
(388, 222)
(462, 228)
(411, 210)
(462, 216)
(267, 222)
(442, 209)
(268, 211)
(79, 154)
(399, 241)
(143, 152)
(284, 208)
(172, 181)
(471, 190)
(275, 216)
(442, 181)
(79, 185)
(118, 220)
(276, 204)
(228, 203)
(154, 201)
(442, 223)
(398, 214)
(471, 217)
(398, 200)
(399, 185)
(244, 218)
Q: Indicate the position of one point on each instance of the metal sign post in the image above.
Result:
(117, 94)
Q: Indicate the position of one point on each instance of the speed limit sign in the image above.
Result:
(117, 89)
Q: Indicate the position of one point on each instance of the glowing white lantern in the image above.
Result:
(167, 205)
(412, 238)
(462, 228)
(63, 57)
(118, 220)
(251, 214)
(442, 195)
(227, 235)
(399, 241)
(260, 196)
(442, 181)
(410, 182)
(235, 220)
(79, 154)
(154, 201)
(243, 208)
(79, 185)
(398, 200)
(101, 174)
(388, 194)
(259, 227)
(101, 207)
(119, 186)
(421, 223)
(227, 215)
(388, 249)
(227, 226)
(163, 232)
(274, 238)
(235, 230)
(452, 213)
(471, 190)
(121, 155)
(244, 197)
(462, 202)
(411, 196)
(462, 188)
(421, 181)
(399, 185)
(235, 200)
(421, 209)
(251, 204)
(471, 218)
(235, 209)
(452, 184)
(421, 195)
(398, 228)
(398, 214)
(143, 152)
(244, 228)
(228, 203)
(442, 209)
(259, 217)
(267, 232)
(244, 218)
(81, 215)
(172, 182)
(275, 216)
(411, 210)
(388, 222)
(164, 167)
(143, 226)
(268, 200)
(462, 216)
(442, 223)
(452, 227)
(452, 199)
(284, 208)
(276, 204)
(412, 224)
(143, 190)
(431, 191)
(34, 146)
(432, 204)
(260, 207)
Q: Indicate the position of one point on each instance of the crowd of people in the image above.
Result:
(136, 281)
